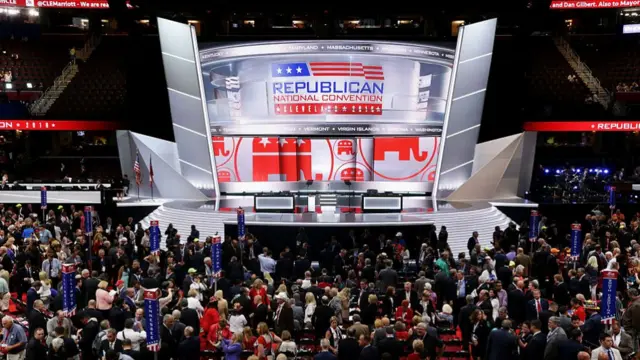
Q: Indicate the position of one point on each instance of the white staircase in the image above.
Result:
(460, 224)
(50, 95)
(583, 71)
(44, 103)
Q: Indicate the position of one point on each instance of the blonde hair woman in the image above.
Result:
(310, 307)
(104, 299)
(345, 295)
(223, 305)
(193, 302)
(45, 289)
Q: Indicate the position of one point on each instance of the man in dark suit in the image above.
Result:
(561, 293)
(111, 342)
(348, 348)
(536, 306)
(90, 330)
(464, 320)
(26, 275)
(189, 348)
(36, 348)
(90, 286)
(168, 346)
(188, 316)
(473, 240)
(283, 314)
(517, 303)
(584, 283)
(391, 345)
(536, 345)
(502, 344)
(32, 295)
(363, 295)
(70, 347)
(37, 319)
(407, 294)
(368, 351)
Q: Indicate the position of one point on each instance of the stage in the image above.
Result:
(460, 218)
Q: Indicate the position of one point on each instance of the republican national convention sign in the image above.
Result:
(327, 87)
(356, 89)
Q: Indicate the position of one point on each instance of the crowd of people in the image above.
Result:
(362, 296)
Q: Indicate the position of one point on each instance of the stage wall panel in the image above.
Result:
(289, 159)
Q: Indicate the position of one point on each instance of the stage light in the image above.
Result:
(546, 171)
(577, 170)
(34, 12)
(29, 86)
(558, 171)
(606, 171)
(8, 86)
(575, 188)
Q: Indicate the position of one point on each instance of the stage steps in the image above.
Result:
(460, 224)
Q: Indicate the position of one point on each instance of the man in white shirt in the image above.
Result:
(136, 337)
(606, 348)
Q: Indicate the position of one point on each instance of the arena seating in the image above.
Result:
(98, 90)
(39, 60)
(613, 59)
(549, 90)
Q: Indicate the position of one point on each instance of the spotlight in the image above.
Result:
(577, 170)
(606, 171)
(546, 171)
(8, 86)
(29, 85)
(558, 171)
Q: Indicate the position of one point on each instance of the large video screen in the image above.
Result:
(326, 88)
(260, 159)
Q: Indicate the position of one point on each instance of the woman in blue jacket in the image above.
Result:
(232, 348)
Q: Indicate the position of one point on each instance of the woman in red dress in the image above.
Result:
(404, 312)
(259, 289)
(217, 332)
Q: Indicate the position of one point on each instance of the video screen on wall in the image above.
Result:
(326, 88)
(260, 159)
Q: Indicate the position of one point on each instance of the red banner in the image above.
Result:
(59, 4)
(574, 4)
(57, 125)
(566, 126)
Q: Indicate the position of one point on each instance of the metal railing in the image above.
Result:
(582, 66)
(67, 73)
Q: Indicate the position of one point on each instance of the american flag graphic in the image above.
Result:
(335, 69)
(153, 347)
(150, 172)
(136, 169)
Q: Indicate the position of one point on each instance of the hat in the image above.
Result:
(398, 234)
(591, 305)
(555, 251)
(196, 240)
(282, 296)
(192, 271)
(119, 282)
(512, 263)
(60, 207)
